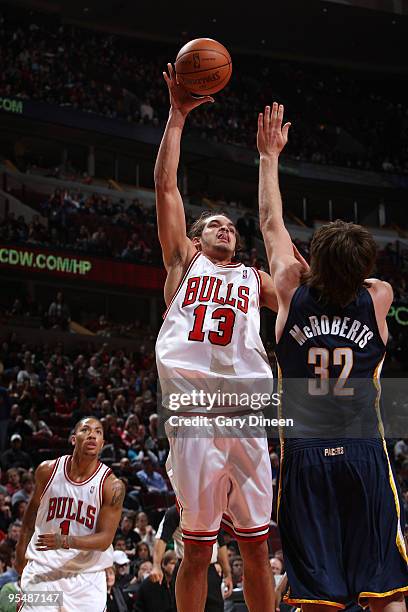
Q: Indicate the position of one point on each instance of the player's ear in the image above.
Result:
(197, 243)
(73, 439)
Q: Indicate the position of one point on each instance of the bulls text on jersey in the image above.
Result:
(72, 510)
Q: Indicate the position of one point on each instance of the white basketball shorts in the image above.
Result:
(220, 480)
(80, 592)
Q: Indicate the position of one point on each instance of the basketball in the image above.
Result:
(203, 66)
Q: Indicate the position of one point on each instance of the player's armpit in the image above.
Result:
(287, 277)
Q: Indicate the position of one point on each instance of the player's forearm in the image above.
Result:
(270, 199)
(158, 552)
(96, 541)
(165, 170)
(223, 561)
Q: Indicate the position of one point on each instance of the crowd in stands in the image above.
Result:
(338, 116)
(94, 225)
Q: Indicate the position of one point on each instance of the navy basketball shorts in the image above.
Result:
(340, 519)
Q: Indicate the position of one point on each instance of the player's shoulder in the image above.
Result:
(45, 470)
(379, 288)
(114, 490)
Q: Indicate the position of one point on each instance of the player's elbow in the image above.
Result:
(104, 545)
(163, 182)
(268, 224)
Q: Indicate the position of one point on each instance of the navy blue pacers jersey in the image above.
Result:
(330, 360)
(339, 510)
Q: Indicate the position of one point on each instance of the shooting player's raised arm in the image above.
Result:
(176, 246)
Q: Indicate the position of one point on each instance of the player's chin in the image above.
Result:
(224, 247)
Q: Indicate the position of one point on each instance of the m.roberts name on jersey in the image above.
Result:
(344, 327)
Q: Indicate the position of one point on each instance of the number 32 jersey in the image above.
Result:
(70, 508)
(209, 341)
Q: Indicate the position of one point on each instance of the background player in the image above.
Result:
(211, 333)
(69, 525)
(339, 514)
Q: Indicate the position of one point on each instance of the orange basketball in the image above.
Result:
(203, 66)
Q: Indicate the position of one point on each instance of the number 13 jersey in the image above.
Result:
(209, 341)
(70, 508)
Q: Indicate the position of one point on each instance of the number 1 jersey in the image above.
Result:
(209, 347)
(70, 508)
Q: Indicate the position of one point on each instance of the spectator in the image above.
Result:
(37, 426)
(18, 509)
(8, 545)
(58, 313)
(237, 569)
(5, 406)
(10, 575)
(115, 600)
(8, 596)
(27, 487)
(145, 531)
(122, 568)
(153, 596)
(127, 531)
(401, 451)
(5, 514)
(142, 552)
(14, 456)
(277, 566)
(152, 480)
(13, 481)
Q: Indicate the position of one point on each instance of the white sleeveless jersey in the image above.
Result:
(209, 341)
(71, 508)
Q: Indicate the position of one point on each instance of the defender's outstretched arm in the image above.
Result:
(285, 267)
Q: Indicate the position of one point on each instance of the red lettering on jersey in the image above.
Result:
(70, 515)
(243, 301)
(191, 291)
(61, 506)
(229, 301)
(90, 517)
(216, 298)
(80, 519)
(52, 504)
(206, 296)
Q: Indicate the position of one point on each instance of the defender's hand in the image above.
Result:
(156, 574)
(272, 137)
(228, 587)
(180, 99)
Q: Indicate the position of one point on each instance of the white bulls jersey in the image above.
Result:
(71, 508)
(209, 340)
